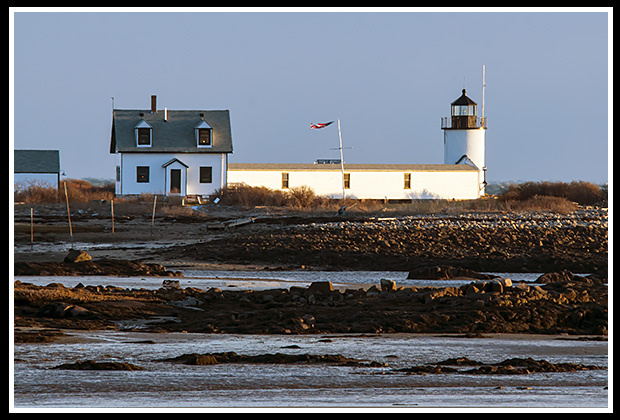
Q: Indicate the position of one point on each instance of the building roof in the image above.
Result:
(36, 161)
(349, 167)
(176, 134)
(463, 100)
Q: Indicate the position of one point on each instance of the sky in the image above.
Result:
(389, 76)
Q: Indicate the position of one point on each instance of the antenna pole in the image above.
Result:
(341, 159)
(484, 85)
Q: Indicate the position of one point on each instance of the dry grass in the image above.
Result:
(556, 197)
(40, 295)
(78, 191)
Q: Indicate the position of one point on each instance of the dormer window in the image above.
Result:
(204, 135)
(144, 134)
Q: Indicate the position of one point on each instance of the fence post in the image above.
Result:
(153, 217)
(112, 208)
(31, 228)
(68, 214)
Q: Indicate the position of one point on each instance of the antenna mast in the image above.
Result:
(484, 85)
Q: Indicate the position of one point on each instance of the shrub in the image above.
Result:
(584, 193)
(35, 192)
(301, 197)
(244, 195)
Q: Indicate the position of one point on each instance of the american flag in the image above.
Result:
(319, 125)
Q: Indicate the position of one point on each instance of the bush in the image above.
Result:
(35, 192)
(584, 193)
(247, 196)
(300, 198)
(78, 191)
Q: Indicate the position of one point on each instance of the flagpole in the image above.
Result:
(341, 159)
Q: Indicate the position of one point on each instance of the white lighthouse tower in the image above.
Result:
(464, 137)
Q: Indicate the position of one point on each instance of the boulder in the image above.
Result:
(373, 291)
(388, 285)
(320, 287)
(76, 256)
(554, 277)
(171, 284)
(63, 310)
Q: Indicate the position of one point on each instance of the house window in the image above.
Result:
(144, 136)
(407, 181)
(347, 181)
(204, 137)
(284, 180)
(206, 174)
(142, 174)
(204, 134)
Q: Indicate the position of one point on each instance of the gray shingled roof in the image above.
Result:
(177, 134)
(36, 161)
(376, 167)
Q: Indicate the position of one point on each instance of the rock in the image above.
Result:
(76, 256)
(309, 319)
(63, 310)
(373, 291)
(320, 287)
(443, 272)
(92, 365)
(171, 284)
(496, 286)
(388, 285)
(189, 301)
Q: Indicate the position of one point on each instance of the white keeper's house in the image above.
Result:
(186, 153)
(170, 152)
(461, 176)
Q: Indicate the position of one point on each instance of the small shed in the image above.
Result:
(36, 167)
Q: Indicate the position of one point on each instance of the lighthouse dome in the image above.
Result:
(464, 100)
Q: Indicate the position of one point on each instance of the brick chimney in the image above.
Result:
(153, 103)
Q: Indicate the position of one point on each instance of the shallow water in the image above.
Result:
(164, 384)
(262, 279)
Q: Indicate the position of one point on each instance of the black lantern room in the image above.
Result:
(464, 112)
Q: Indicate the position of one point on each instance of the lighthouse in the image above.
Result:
(464, 137)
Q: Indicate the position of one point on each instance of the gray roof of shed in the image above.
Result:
(36, 161)
(177, 134)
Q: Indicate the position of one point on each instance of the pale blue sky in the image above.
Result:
(388, 76)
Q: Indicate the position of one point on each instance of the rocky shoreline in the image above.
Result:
(564, 304)
(531, 242)
(429, 246)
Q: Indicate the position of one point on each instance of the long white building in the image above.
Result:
(461, 176)
(363, 181)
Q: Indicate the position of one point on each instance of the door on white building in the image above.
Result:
(176, 177)
(175, 181)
